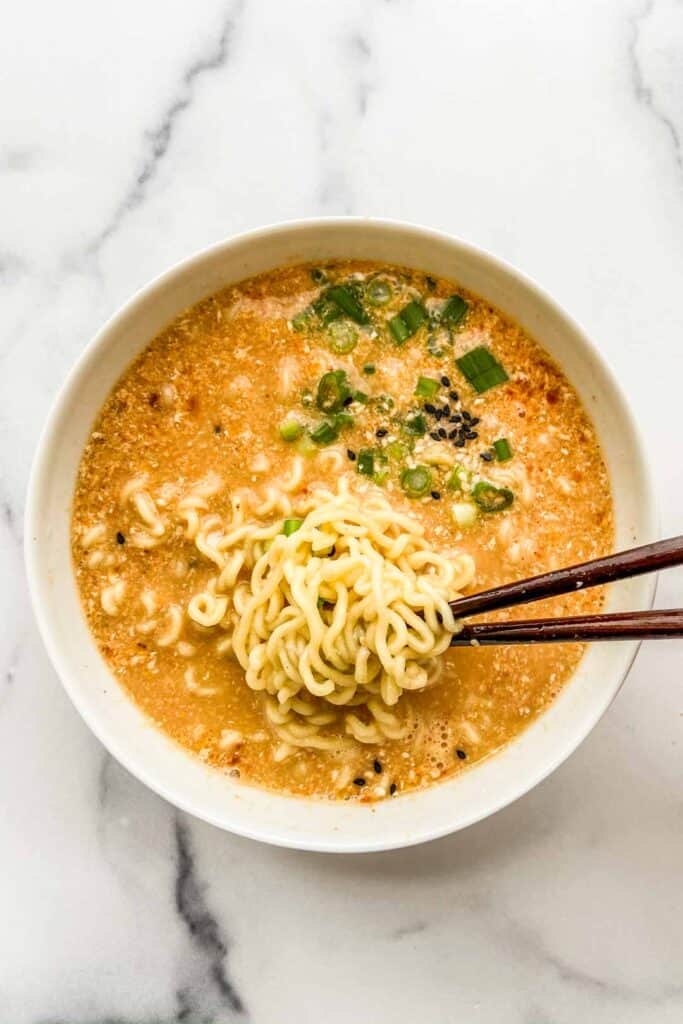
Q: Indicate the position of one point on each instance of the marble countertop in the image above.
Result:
(134, 133)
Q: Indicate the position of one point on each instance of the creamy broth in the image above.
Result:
(198, 418)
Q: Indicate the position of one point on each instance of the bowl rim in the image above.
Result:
(40, 472)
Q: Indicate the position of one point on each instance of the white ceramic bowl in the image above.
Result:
(131, 737)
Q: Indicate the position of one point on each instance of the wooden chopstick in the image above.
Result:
(649, 558)
(655, 625)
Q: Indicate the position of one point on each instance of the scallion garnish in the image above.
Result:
(482, 369)
(290, 526)
(343, 337)
(427, 387)
(415, 426)
(414, 315)
(378, 292)
(343, 297)
(458, 480)
(434, 348)
(300, 320)
(384, 403)
(360, 396)
(333, 390)
(407, 322)
(416, 482)
(502, 449)
(399, 329)
(342, 420)
(454, 310)
(325, 433)
(490, 498)
(366, 462)
(291, 430)
(396, 451)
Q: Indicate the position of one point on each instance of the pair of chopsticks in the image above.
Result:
(650, 625)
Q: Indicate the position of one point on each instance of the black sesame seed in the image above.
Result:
(459, 442)
(351, 455)
(471, 435)
(392, 788)
(120, 539)
(460, 754)
(377, 765)
(453, 395)
(452, 434)
(446, 382)
(431, 409)
(474, 420)
(381, 432)
(486, 456)
(348, 400)
(218, 429)
(434, 435)
(446, 409)
(430, 282)
(456, 418)
(438, 415)
(436, 495)
(441, 432)
(466, 415)
(359, 781)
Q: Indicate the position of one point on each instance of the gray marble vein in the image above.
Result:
(203, 926)
(160, 137)
(650, 85)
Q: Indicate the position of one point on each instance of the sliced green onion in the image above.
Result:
(333, 390)
(360, 396)
(325, 310)
(396, 451)
(482, 370)
(490, 498)
(380, 475)
(502, 449)
(290, 526)
(417, 481)
(415, 426)
(454, 311)
(384, 403)
(464, 513)
(459, 479)
(369, 369)
(365, 463)
(434, 348)
(343, 337)
(399, 329)
(300, 320)
(427, 387)
(307, 398)
(305, 446)
(378, 292)
(343, 297)
(291, 429)
(342, 419)
(318, 276)
(408, 321)
(325, 433)
(414, 315)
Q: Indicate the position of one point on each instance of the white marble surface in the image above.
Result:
(134, 133)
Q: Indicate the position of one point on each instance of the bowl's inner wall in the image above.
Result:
(123, 728)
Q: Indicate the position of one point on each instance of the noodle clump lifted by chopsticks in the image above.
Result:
(334, 614)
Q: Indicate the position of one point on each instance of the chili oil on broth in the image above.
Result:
(198, 413)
